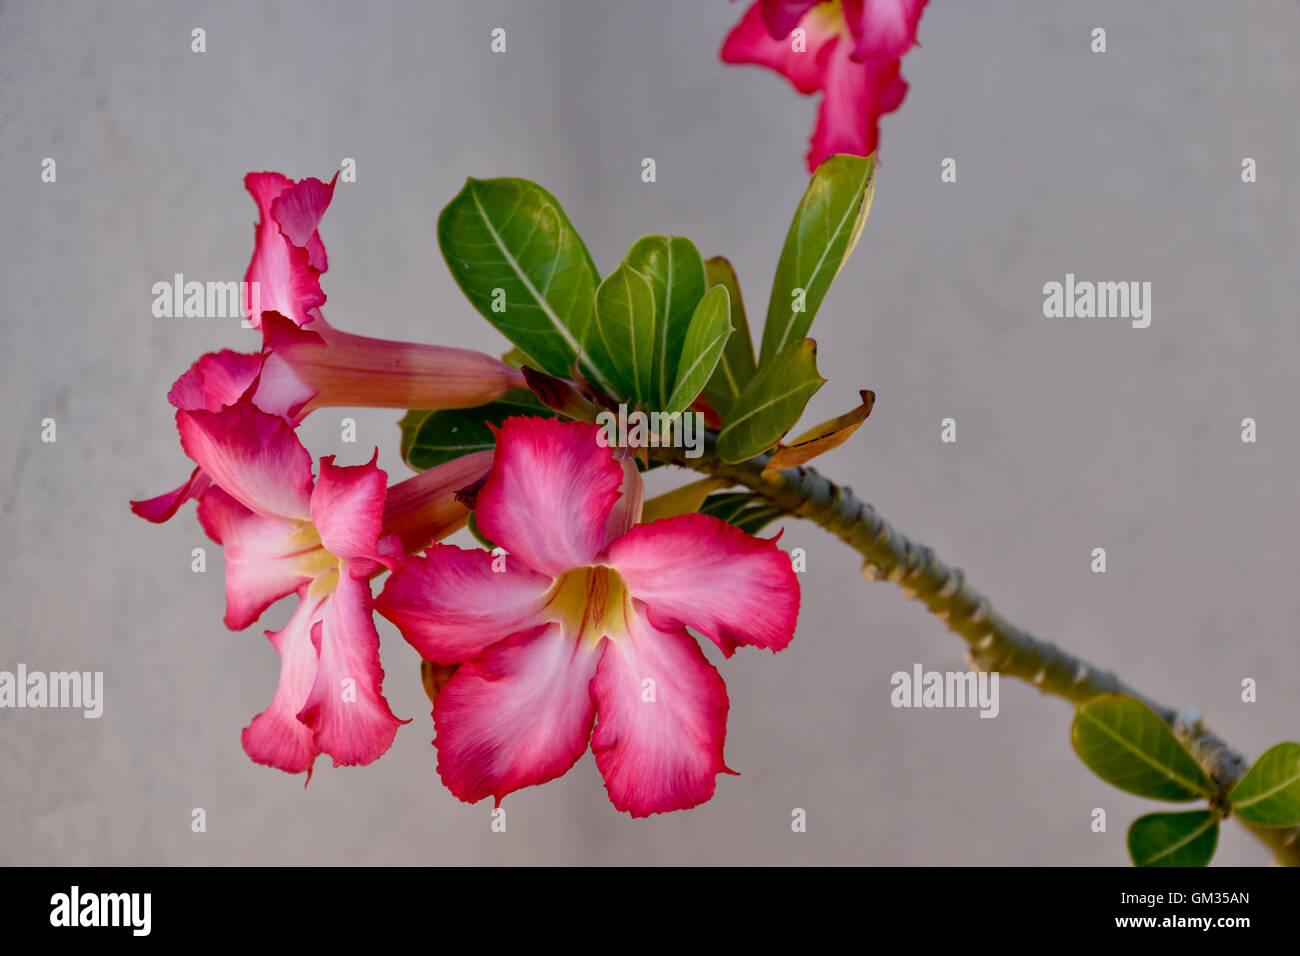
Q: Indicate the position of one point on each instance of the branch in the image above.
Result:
(995, 643)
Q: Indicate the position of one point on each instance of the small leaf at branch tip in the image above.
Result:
(1269, 794)
(826, 226)
(771, 402)
(1130, 746)
(823, 438)
(1174, 839)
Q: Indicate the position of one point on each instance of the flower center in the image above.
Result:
(590, 603)
(313, 560)
(831, 15)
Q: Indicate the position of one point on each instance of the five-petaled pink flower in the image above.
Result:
(284, 533)
(849, 49)
(583, 623)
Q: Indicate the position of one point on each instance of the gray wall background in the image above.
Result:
(1071, 435)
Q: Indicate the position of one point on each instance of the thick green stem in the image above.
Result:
(995, 644)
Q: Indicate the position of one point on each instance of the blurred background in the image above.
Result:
(1071, 434)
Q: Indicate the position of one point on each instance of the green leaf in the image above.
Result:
(706, 338)
(1174, 839)
(1125, 742)
(771, 403)
(430, 438)
(826, 227)
(746, 511)
(625, 318)
(737, 366)
(1269, 794)
(518, 259)
(825, 437)
(675, 271)
(479, 536)
(516, 358)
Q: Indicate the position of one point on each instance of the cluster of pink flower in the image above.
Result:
(851, 50)
(573, 632)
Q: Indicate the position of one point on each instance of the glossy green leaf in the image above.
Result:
(706, 338)
(771, 403)
(430, 438)
(1174, 839)
(625, 319)
(1269, 794)
(737, 366)
(675, 271)
(518, 259)
(825, 229)
(1125, 742)
(746, 511)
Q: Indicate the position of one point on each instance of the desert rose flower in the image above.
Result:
(848, 49)
(285, 533)
(302, 370)
(584, 623)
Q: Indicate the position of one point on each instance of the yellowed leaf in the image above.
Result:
(681, 501)
(819, 440)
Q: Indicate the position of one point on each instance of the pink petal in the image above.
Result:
(276, 737)
(220, 378)
(696, 570)
(161, 508)
(658, 745)
(287, 283)
(215, 380)
(883, 29)
(261, 558)
(631, 500)
(549, 494)
(452, 606)
(751, 42)
(346, 709)
(253, 455)
(279, 390)
(518, 716)
(857, 95)
(298, 211)
(347, 508)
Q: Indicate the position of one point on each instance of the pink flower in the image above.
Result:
(586, 619)
(849, 49)
(285, 533)
(301, 370)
